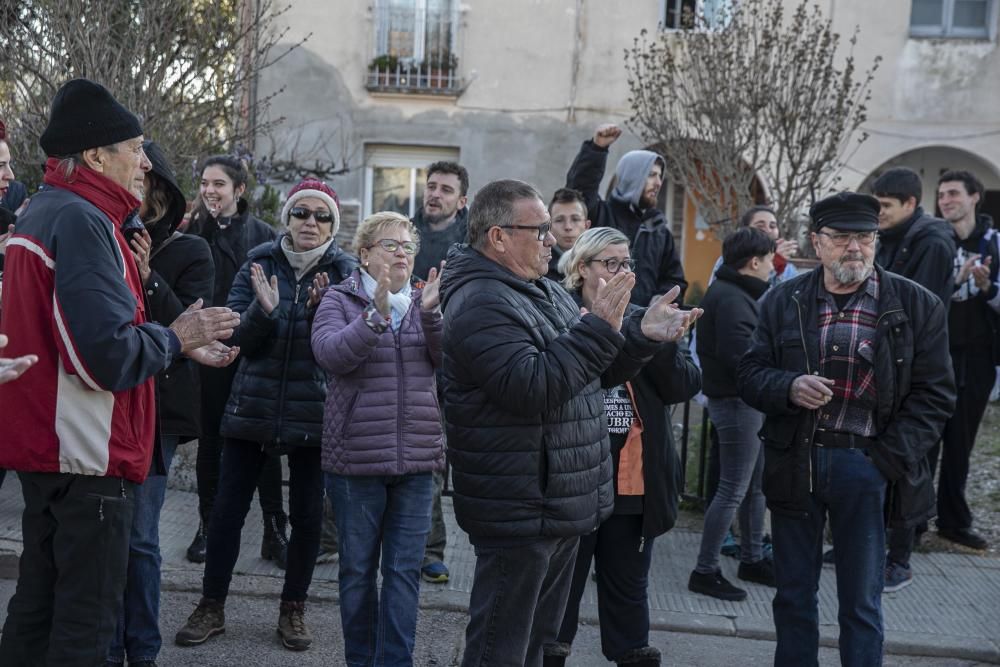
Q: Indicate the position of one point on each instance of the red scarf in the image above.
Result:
(779, 264)
(115, 202)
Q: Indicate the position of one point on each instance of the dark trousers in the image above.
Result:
(241, 465)
(622, 582)
(974, 376)
(437, 538)
(207, 468)
(519, 594)
(71, 581)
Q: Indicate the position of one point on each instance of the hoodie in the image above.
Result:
(631, 174)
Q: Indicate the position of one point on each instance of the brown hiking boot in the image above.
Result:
(207, 620)
(295, 636)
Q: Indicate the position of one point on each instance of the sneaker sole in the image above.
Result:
(719, 596)
(291, 646)
(897, 587)
(434, 579)
(196, 642)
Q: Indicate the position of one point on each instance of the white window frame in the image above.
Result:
(699, 9)
(946, 30)
(401, 156)
(381, 45)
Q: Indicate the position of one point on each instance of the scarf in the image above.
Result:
(399, 302)
(303, 262)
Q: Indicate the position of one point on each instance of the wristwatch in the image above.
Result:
(374, 319)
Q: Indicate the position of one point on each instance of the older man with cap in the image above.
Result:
(850, 365)
(81, 429)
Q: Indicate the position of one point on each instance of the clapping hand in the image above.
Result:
(612, 298)
(381, 296)
(266, 290)
(142, 244)
(215, 354)
(431, 297)
(665, 322)
(197, 327)
(320, 282)
(981, 274)
(11, 369)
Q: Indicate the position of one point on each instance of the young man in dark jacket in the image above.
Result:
(849, 365)
(919, 247)
(524, 413)
(632, 210)
(972, 330)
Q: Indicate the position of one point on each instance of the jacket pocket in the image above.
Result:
(780, 471)
(349, 414)
(543, 469)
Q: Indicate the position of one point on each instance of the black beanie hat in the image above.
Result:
(85, 115)
(846, 211)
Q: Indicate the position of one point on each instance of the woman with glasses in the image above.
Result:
(379, 338)
(276, 406)
(647, 473)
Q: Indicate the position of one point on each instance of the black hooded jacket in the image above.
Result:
(182, 272)
(524, 410)
(658, 266)
(921, 249)
(434, 245)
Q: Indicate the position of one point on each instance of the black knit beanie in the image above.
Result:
(85, 115)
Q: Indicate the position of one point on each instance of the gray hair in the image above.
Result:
(587, 247)
(494, 206)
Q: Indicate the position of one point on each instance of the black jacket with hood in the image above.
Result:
(915, 391)
(181, 272)
(434, 245)
(921, 249)
(658, 267)
(524, 409)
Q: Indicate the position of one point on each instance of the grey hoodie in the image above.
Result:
(630, 175)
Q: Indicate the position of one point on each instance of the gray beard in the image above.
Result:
(849, 275)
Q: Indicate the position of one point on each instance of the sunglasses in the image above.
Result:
(389, 245)
(303, 213)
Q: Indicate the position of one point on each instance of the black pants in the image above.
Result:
(241, 465)
(72, 572)
(622, 582)
(207, 469)
(974, 377)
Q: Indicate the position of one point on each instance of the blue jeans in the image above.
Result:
(138, 632)
(741, 464)
(385, 519)
(519, 596)
(849, 488)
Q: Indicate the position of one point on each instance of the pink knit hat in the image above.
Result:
(312, 187)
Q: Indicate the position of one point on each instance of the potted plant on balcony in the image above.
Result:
(384, 68)
(439, 66)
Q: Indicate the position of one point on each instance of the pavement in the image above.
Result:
(949, 616)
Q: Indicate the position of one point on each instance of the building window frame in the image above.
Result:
(401, 158)
(715, 13)
(945, 29)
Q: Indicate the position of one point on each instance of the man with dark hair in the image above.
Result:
(848, 363)
(972, 329)
(524, 414)
(568, 211)
(631, 209)
(920, 247)
(443, 218)
(81, 428)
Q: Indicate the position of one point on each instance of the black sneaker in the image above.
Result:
(964, 536)
(716, 586)
(828, 558)
(761, 572)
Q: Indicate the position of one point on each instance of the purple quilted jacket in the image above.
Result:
(382, 415)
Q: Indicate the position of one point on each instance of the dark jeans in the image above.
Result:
(380, 520)
(437, 538)
(138, 631)
(622, 582)
(72, 570)
(241, 465)
(849, 488)
(519, 594)
(208, 465)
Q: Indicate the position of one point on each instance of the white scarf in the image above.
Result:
(399, 302)
(302, 262)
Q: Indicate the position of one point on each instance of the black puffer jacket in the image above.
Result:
(916, 391)
(182, 272)
(279, 389)
(524, 413)
(724, 331)
(921, 249)
(658, 266)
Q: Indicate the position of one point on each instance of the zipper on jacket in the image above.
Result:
(399, 411)
(805, 351)
(284, 365)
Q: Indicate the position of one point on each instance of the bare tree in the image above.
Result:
(188, 68)
(756, 100)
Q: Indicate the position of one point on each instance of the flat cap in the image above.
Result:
(846, 211)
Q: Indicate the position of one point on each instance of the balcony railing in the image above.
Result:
(415, 78)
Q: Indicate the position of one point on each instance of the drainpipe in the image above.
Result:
(575, 67)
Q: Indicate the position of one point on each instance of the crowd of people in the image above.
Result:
(537, 347)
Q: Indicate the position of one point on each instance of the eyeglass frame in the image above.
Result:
(621, 262)
(542, 229)
(848, 237)
(399, 244)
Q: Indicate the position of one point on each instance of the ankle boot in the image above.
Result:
(196, 552)
(274, 545)
(555, 654)
(647, 656)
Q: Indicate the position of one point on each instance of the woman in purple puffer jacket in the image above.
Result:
(379, 340)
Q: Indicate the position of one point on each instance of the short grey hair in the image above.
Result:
(589, 245)
(494, 206)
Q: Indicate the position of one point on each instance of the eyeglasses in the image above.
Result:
(845, 238)
(542, 229)
(390, 245)
(303, 213)
(614, 265)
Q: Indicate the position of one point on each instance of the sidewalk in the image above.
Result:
(951, 610)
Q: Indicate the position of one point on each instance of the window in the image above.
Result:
(395, 176)
(953, 18)
(680, 14)
(414, 46)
